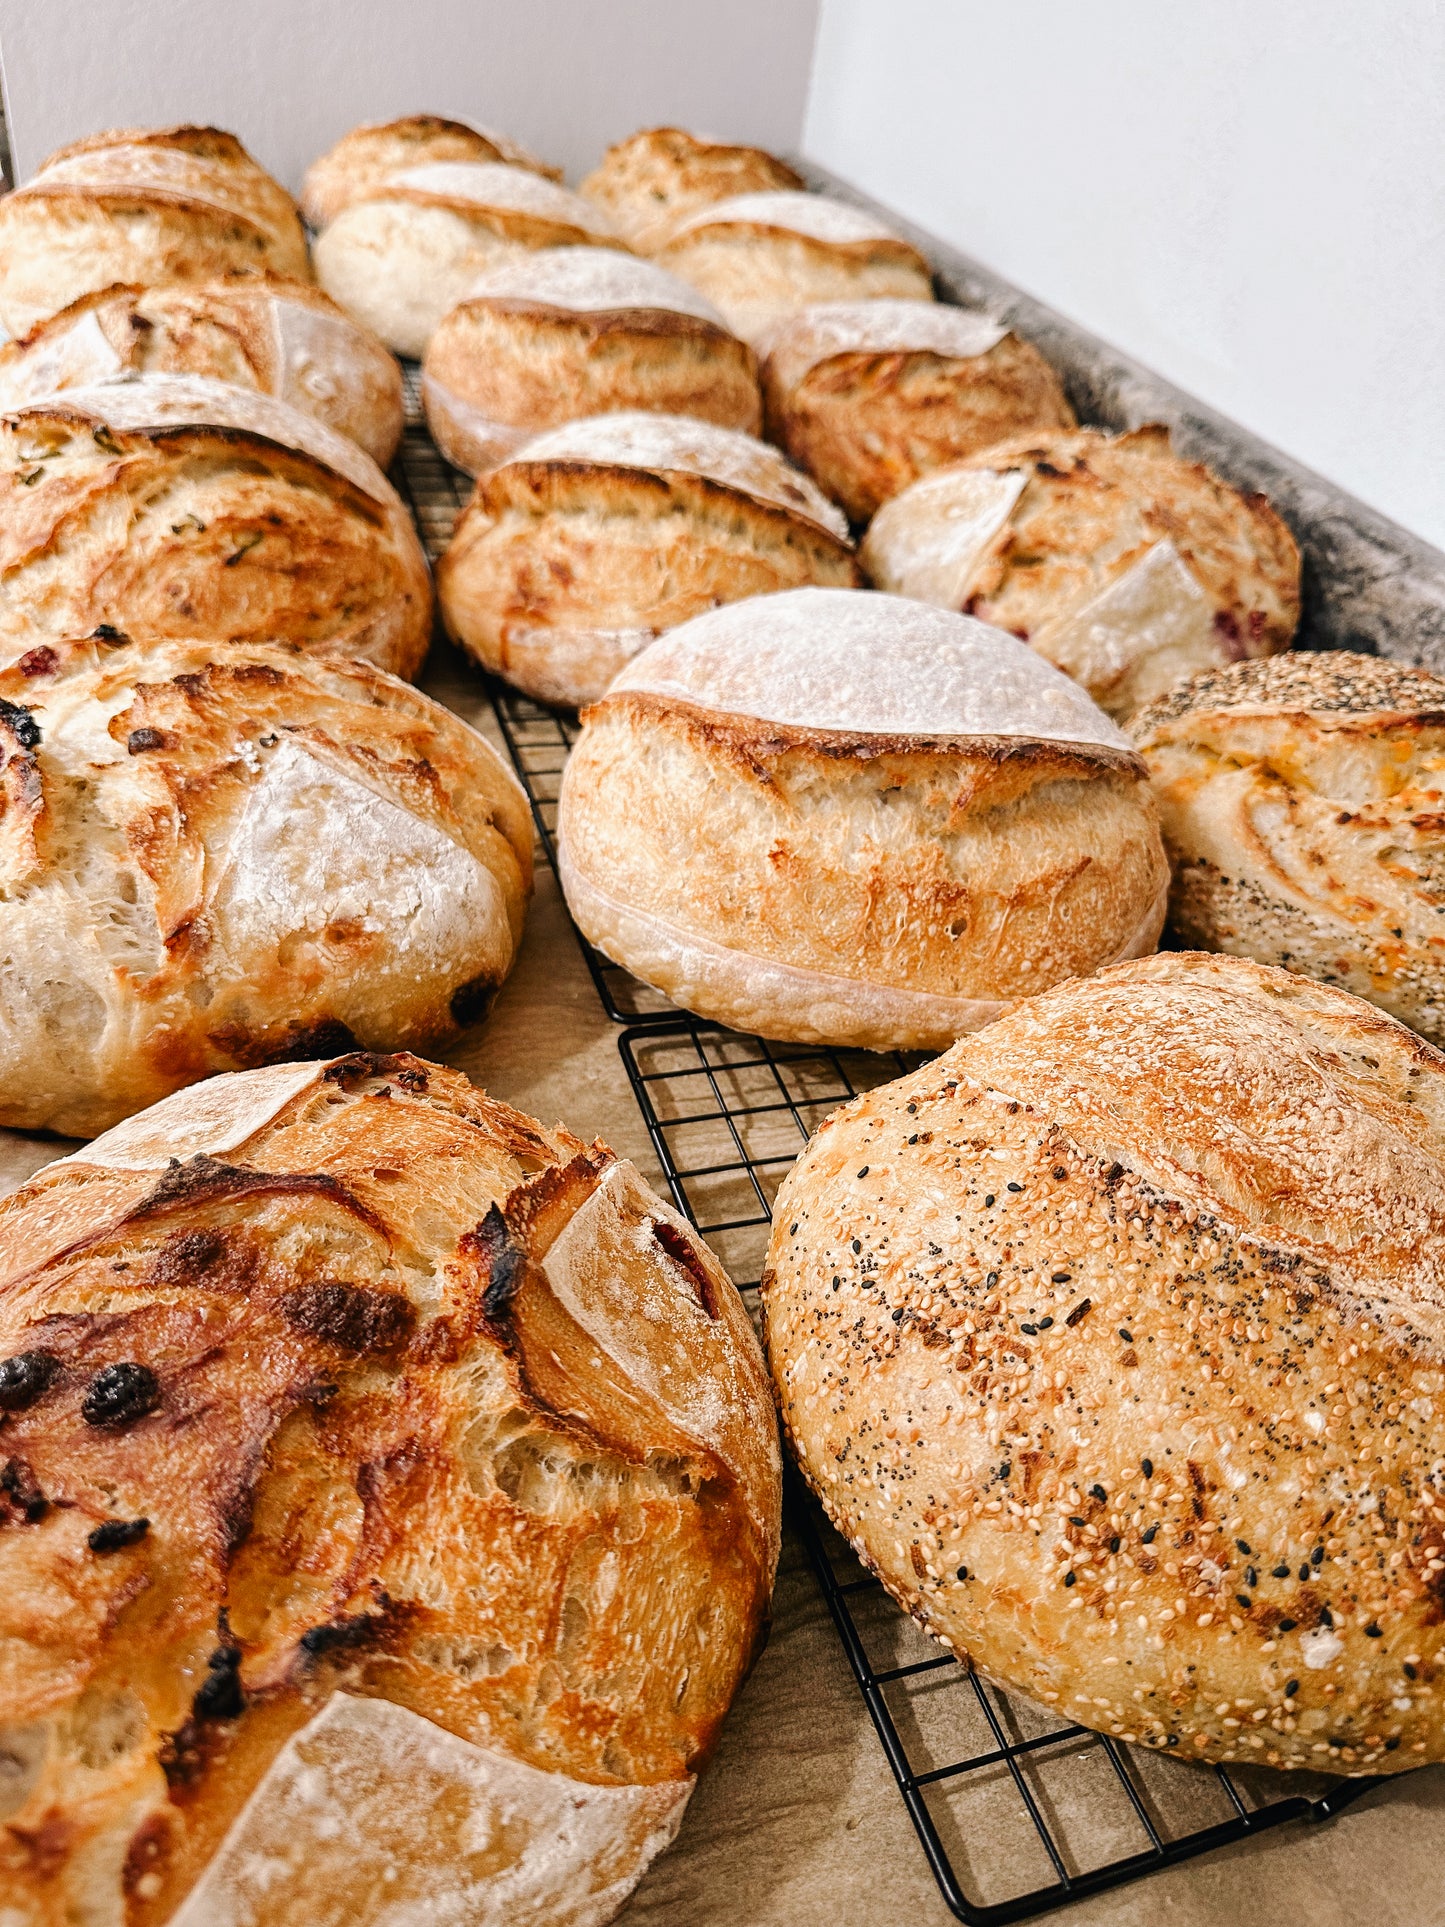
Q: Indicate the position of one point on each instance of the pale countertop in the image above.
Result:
(798, 1822)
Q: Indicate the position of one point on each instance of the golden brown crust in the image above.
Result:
(662, 174)
(360, 159)
(1113, 1340)
(1303, 803)
(423, 1401)
(189, 530)
(214, 857)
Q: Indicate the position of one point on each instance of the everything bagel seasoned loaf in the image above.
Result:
(1301, 799)
(217, 856)
(660, 174)
(1114, 1340)
(173, 505)
(350, 168)
(389, 1513)
(142, 205)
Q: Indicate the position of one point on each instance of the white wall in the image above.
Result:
(563, 76)
(1248, 195)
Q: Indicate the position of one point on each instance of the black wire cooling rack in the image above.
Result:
(1065, 1812)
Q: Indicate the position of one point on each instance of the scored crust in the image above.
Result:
(1301, 798)
(352, 167)
(1113, 1340)
(216, 856)
(660, 174)
(468, 1415)
(177, 505)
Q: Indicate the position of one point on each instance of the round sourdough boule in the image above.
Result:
(599, 535)
(760, 257)
(214, 856)
(869, 395)
(1303, 806)
(391, 1509)
(354, 165)
(656, 176)
(171, 505)
(1113, 1341)
(844, 818)
(263, 331)
(548, 336)
(143, 206)
(408, 248)
(1128, 567)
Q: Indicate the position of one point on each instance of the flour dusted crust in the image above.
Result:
(1128, 567)
(214, 856)
(600, 534)
(352, 167)
(655, 177)
(762, 257)
(284, 338)
(407, 249)
(140, 206)
(1301, 799)
(548, 336)
(842, 818)
(869, 395)
(177, 505)
(493, 1418)
(1144, 1281)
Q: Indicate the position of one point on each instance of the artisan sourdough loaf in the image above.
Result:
(547, 336)
(761, 257)
(391, 1510)
(845, 818)
(352, 167)
(285, 338)
(597, 536)
(215, 856)
(408, 247)
(657, 176)
(1113, 1342)
(140, 206)
(180, 506)
(869, 395)
(1125, 565)
(1303, 805)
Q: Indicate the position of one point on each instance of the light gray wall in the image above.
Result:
(1247, 195)
(563, 76)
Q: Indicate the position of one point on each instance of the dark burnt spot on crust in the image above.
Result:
(21, 1492)
(203, 1179)
(115, 1534)
(294, 1043)
(39, 662)
(472, 1000)
(121, 1394)
(220, 1695)
(503, 1262)
(21, 724)
(352, 1317)
(24, 1378)
(359, 1629)
(680, 1250)
(140, 740)
(187, 1257)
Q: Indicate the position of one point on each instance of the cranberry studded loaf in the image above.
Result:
(391, 1510)
(844, 818)
(179, 506)
(140, 206)
(1113, 1341)
(409, 246)
(760, 257)
(1303, 805)
(215, 856)
(283, 338)
(558, 333)
(657, 176)
(1125, 565)
(869, 395)
(352, 167)
(597, 536)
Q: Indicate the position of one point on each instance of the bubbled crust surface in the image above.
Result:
(146, 206)
(193, 530)
(263, 331)
(450, 1411)
(1112, 1340)
(1303, 806)
(368, 154)
(866, 424)
(976, 870)
(214, 857)
(661, 174)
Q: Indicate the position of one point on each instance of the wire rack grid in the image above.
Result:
(1066, 1812)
